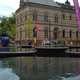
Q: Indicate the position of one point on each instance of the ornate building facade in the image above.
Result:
(56, 20)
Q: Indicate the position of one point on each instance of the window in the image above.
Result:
(70, 17)
(20, 32)
(76, 34)
(55, 30)
(34, 16)
(56, 18)
(63, 33)
(17, 34)
(25, 33)
(46, 33)
(25, 17)
(21, 19)
(17, 21)
(63, 16)
(46, 17)
(70, 34)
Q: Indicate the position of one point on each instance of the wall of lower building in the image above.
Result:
(62, 24)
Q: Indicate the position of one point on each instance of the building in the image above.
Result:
(56, 20)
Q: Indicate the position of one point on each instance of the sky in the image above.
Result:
(9, 6)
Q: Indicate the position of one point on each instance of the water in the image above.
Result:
(15, 49)
(39, 68)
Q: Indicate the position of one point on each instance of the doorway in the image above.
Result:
(55, 35)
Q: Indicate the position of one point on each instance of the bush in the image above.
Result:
(70, 40)
(76, 41)
(63, 41)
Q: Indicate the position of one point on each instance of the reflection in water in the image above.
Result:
(5, 49)
(74, 50)
(78, 70)
(37, 59)
(24, 49)
(15, 49)
(46, 69)
(6, 74)
(40, 68)
(7, 69)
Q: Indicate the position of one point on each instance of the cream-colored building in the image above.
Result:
(56, 20)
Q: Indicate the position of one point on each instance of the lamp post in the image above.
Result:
(20, 35)
(49, 31)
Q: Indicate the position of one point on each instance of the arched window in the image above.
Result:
(20, 32)
(55, 33)
(17, 21)
(25, 17)
(46, 33)
(25, 34)
(76, 34)
(56, 18)
(63, 16)
(70, 17)
(17, 34)
(55, 30)
(70, 33)
(45, 17)
(63, 33)
(20, 18)
(34, 16)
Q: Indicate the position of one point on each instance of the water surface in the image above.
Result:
(39, 68)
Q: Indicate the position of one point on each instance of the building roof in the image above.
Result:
(64, 6)
(44, 2)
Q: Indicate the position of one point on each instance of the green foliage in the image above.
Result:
(29, 25)
(76, 39)
(7, 25)
(12, 32)
(63, 41)
(70, 39)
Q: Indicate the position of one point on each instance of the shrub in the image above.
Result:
(63, 41)
(70, 40)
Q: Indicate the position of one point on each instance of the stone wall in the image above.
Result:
(66, 24)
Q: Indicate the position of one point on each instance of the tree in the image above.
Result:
(29, 25)
(3, 25)
(12, 32)
(7, 25)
